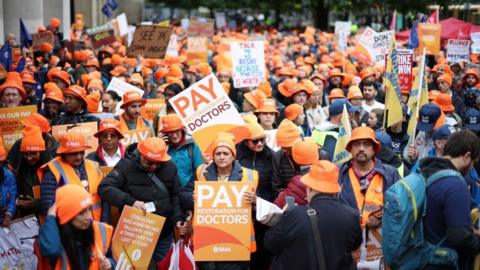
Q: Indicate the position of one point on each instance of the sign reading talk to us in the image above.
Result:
(248, 63)
(150, 41)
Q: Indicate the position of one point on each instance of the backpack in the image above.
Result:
(403, 242)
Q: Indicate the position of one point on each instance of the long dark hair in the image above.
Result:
(70, 237)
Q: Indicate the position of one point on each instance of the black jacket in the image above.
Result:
(262, 163)
(291, 239)
(70, 119)
(283, 170)
(128, 182)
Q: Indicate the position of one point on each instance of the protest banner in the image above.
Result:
(86, 129)
(150, 41)
(405, 62)
(197, 50)
(342, 31)
(271, 139)
(393, 108)
(341, 155)
(475, 42)
(135, 135)
(122, 24)
(102, 38)
(16, 244)
(11, 123)
(429, 37)
(203, 27)
(374, 246)
(135, 238)
(220, 20)
(120, 87)
(248, 63)
(42, 37)
(222, 221)
(377, 44)
(458, 50)
(205, 110)
(172, 48)
(152, 108)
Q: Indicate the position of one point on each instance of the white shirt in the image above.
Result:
(376, 105)
(112, 160)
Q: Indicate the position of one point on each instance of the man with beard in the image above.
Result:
(369, 94)
(447, 219)
(364, 179)
(75, 108)
(131, 118)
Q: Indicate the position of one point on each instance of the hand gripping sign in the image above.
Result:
(205, 110)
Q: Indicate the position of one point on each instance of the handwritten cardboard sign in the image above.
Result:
(135, 238)
(42, 37)
(150, 41)
(248, 63)
(458, 50)
(222, 221)
(11, 123)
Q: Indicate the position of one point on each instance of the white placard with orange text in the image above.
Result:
(205, 110)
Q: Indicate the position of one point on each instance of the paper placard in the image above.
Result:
(120, 87)
(152, 108)
(11, 123)
(197, 50)
(16, 244)
(405, 62)
(150, 41)
(429, 37)
(201, 27)
(135, 136)
(475, 42)
(102, 38)
(86, 129)
(248, 63)
(222, 221)
(122, 24)
(458, 50)
(172, 49)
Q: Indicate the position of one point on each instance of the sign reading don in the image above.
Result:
(206, 110)
(222, 221)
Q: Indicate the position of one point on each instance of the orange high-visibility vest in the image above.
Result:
(372, 201)
(247, 175)
(124, 126)
(102, 236)
(66, 173)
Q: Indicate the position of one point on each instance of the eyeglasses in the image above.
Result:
(256, 141)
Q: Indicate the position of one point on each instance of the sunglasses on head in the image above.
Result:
(256, 141)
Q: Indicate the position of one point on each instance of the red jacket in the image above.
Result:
(296, 189)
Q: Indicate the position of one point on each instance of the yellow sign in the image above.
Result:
(222, 221)
(135, 136)
(87, 129)
(11, 123)
(152, 107)
(135, 238)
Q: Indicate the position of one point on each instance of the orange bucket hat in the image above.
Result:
(255, 97)
(72, 142)
(32, 140)
(336, 93)
(305, 151)
(160, 73)
(223, 139)
(444, 101)
(171, 122)
(36, 119)
(53, 92)
(287, 87)
(59, 74)
(354, 92)
(27, 77)
(109, 124)
(118, 70)
(266, 88)
(445, 77)
(267, 106)
(254, 128)
(13, 80)
(55, 22)
(367, 72)
(433, 94)
(153, 149)
(292, 111)
(92, 63)
(132, 97)
(93, 100)
(175, 80)
(95, 83)
(76, 91)
(204, 69)
(287, 133)
(363, 133)
(336, 72)
(471, 71)
(71, 200)
(136, 78)
(175, 71)
(322, 177)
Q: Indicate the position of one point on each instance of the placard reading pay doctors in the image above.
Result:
(222, 222)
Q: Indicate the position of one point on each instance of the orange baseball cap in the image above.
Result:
(132, 97)
(322, 177)
(53, 92)
(267, 106)
(287, 133)
(171, 122)
(70, 201)
(305, 151)
(292, 111)
(110, 124)
(72, 142)
(32, 140)
(363, 133)
(36, 119)
(76, 91)
(153, 149)
(444, 101)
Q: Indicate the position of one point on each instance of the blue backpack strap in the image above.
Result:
(441, 174)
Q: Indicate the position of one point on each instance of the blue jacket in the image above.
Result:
(347, 195)
(187, 163)
(8, 191)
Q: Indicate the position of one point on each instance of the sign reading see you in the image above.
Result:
(150, 41)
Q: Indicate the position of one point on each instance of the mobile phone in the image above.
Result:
(290, 201)
(150, 207)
